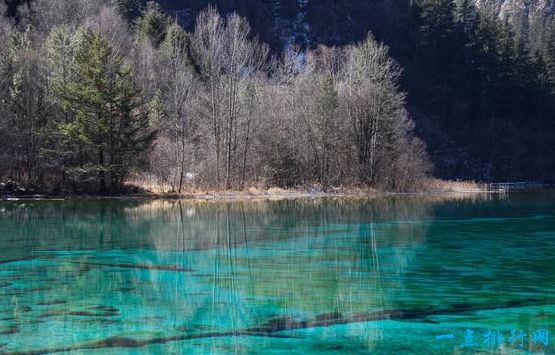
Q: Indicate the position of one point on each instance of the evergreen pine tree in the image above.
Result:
(549, 57)
(152, 24)
(111, 122)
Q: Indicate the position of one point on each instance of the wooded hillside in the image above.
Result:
(93, 93)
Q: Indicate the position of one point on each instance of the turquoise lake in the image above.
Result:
(396, 275)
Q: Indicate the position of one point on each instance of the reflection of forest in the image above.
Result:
(186, 225)
(161, 224)
(188, 267)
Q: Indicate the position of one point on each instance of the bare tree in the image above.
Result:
(47, 14)
(373, 101)
(224, 112)
(111, 26)
(179, 94)
(23, 105)
(317, 90)
(227, 59)
(207, 48)
(251, 96)
(380, 125)
(282, 139)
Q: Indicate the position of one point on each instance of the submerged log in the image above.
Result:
(175, 268)
(274, 326)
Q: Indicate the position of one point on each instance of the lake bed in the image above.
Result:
(398, 274)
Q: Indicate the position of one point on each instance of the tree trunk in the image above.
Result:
(245, 154)
(102, 175)
(182, 162)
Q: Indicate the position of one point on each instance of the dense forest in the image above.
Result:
(479, 80)
(479, 83)
(93, 94)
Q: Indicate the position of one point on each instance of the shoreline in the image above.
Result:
(243, 195)
(433, 187)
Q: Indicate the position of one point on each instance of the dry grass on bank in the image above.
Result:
(252, 192)
(431, 186)
(447, 186)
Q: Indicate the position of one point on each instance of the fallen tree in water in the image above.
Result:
(275, 328)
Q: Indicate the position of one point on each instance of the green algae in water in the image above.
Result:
(382, 276)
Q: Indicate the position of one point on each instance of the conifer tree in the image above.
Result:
(130, 9)
(152, 24)
(549, 58)
(111, 121)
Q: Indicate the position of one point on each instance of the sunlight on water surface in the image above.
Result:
(382, 276)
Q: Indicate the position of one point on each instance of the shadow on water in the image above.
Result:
(80, 275)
